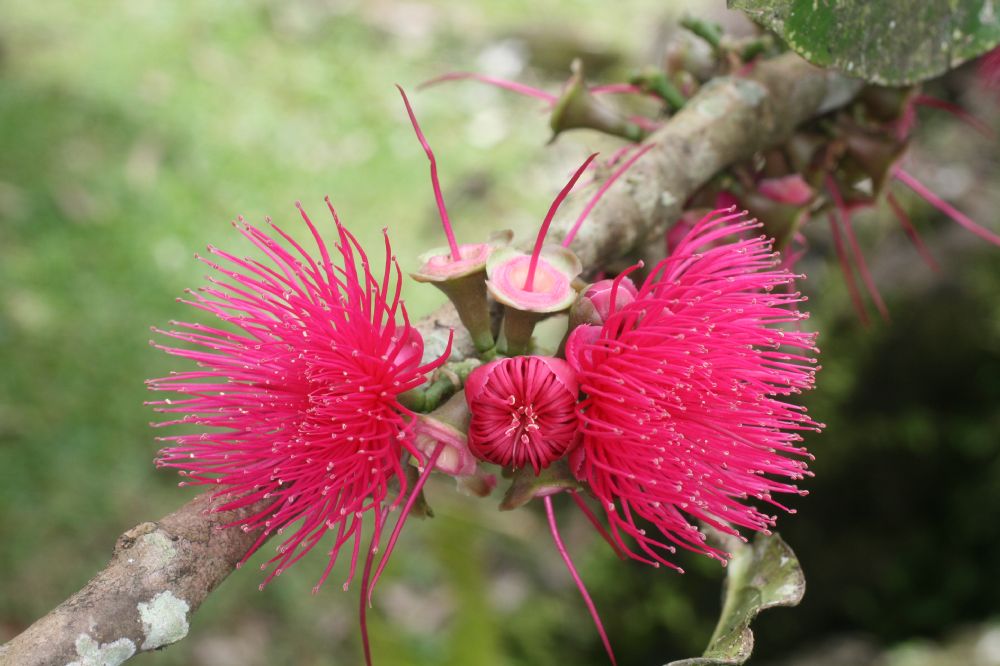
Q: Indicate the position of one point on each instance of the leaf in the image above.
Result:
(889, 43)
(762, 574)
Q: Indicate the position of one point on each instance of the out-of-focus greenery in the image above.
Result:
(132, 132)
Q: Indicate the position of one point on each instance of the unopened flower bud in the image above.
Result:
(601, 299)
(782, 205)
(447, 425)
(523, 411)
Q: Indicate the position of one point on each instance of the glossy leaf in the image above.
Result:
(889, 43)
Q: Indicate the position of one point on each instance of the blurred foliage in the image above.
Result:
(897, 541)
(132, 132)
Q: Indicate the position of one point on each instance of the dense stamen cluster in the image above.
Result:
(683, 416)
(297, 397)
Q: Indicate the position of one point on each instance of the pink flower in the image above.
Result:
(523, 411)
(297, 395)
(684, 416)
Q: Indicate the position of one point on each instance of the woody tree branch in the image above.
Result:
(161, 572)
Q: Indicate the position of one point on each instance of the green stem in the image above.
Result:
(658, 84)
(754, 48)
(707, 30)
(515, 333)
(446, 382)
(468, 294)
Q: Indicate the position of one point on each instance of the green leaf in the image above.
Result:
(762, 574)
(888, 42)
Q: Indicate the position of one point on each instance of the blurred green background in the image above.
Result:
(132, 132)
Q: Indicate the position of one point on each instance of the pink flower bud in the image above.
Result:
(792, 190)
(579, 337)
(446, 425)
(523, 411)
(603, 292)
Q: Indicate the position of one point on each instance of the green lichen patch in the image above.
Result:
(158, 550)
(91, 653)
(164, 620)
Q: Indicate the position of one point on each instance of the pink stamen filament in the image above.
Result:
(852, 240)
(617, 89)
(600, 193)
(911, 231)
(513, 86)
(576, 578)
(411, 500)
(456, 254)
(957, 111)
(529, 281)
(845, 267)
(943, 206)
(365, 575)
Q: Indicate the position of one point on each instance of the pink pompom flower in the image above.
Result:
(523, 411)
(685, 415)
(297, 392)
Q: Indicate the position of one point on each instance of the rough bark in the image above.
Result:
(161, 572)
(158, 575)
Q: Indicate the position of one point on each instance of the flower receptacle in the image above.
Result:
(551, 290)
(463, 281)
(577, 108)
